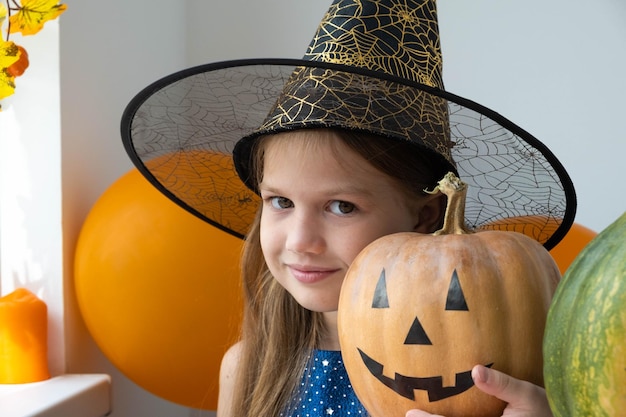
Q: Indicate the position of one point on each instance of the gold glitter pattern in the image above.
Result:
(325, 97)
(399, 38)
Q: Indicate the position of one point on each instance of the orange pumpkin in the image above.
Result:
(537, 227)
(418, 311)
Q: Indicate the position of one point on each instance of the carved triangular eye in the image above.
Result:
(456, 299)
(380, 293)
(417, 335)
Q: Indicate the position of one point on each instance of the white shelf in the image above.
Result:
(72, 395)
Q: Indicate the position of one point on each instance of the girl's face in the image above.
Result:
(322, 204)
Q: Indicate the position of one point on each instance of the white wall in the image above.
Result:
(108, 53)
(557, 69)
(553, 67)
(30, 186)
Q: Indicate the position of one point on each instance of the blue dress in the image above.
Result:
(325, 390)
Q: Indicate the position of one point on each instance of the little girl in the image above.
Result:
(311, 160)
(325, 194)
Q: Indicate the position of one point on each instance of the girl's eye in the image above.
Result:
(341, 207)
(280, 203)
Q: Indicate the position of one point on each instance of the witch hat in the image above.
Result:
(372, 66)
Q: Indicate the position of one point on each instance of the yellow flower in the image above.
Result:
(3, 13)
(32, 15)
(26, 17)
(9, 55)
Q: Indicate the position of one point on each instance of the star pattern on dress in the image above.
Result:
(325, 389)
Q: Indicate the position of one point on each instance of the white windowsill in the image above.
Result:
(70, 395)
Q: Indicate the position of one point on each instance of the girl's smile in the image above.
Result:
(310, 274)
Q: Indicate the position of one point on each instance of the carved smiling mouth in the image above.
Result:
(405, 385)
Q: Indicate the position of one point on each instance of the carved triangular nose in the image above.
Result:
(417, 335)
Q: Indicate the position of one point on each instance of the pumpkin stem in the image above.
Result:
(454, 218)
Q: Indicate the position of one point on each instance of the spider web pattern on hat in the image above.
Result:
(372, 66)
(413, 54)
(507, 177)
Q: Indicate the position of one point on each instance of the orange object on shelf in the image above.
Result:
(23, 338)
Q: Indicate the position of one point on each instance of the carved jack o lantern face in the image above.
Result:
(417, 312)
(406, 385)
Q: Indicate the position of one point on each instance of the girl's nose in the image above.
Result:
(305, 235)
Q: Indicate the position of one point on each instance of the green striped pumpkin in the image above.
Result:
(585, 338)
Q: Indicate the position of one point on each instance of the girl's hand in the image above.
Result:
(524, 399)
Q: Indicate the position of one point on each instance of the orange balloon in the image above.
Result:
(158, 290)
(573, 242)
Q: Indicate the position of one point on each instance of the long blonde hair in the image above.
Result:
(278, 333)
